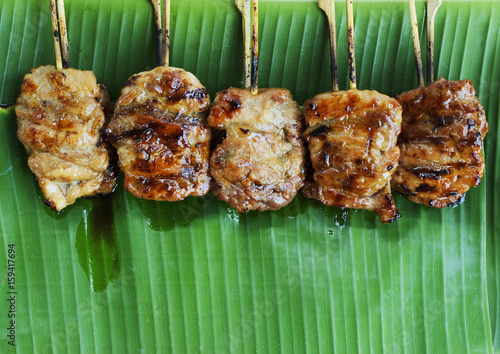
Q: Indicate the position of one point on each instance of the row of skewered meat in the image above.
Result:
(160, 129)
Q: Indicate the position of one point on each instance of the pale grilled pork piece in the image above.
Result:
(160, 132)
(259, 163)
(441, 143)
(59, 117)
(352, 139)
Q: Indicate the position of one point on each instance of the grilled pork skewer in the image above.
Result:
(59, 114)
(352, 143)
(259, 163)
(159, 129)
(441, 139)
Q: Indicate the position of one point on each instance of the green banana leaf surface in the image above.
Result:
(120, 274)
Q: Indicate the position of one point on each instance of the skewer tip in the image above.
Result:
(159, 45)
(329, 8)
(350, 38)
(255, 46)
(432, 7)
(166, 33)
(55, 34)
(63, 34)
(416, 42)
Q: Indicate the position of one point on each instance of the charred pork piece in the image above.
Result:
(352, 143)
(160, 132)
(441, 143)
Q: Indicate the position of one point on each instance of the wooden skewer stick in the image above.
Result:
(64, 33)
(416, 43)
(166, 33)
(244, 8)
(159, 46)
(432, 7)
(328, 6)
(350, 39)
(55, 31)
(255, 46)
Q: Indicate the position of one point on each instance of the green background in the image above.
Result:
(123, 274)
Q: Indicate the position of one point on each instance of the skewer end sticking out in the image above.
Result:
(64, 34)
(416, 43)
(434, 4)
(328, 7)
(255, 46)
(56, 33)
(159, 45)
(240, 4)
(350, 39)
(244, 8)
(166, 33)
(432, 7)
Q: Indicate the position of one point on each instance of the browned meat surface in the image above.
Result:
(352, 139)
(259, 163)
(160, 132)
(109, 182)
(59, 117)
(441, 143)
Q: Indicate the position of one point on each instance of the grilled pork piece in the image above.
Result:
(441, 143)
(259, 163)
(59, 117)
(159, 130)
(352, 143)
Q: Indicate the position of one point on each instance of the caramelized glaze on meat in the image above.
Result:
(59, 117)
(352, 144)
(259, 164)
(160, 132)
(441, 143)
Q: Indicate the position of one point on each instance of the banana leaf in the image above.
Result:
(123, 274)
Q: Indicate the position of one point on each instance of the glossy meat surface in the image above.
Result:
(352, 139)
(160, 132)
(259, 163)
(59, 117)
(441, 143)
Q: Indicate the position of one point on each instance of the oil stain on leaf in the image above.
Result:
(97, 243)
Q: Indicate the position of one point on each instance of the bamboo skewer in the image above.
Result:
(350, 39)
(64, 34)
(244, 8)
(416, 43)
(159, 46)
(162, 21)
(255, 46)
(328, 7)
(55, 31)
(432, 7)
(166, 33)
